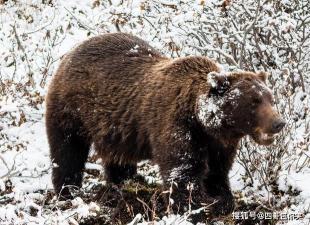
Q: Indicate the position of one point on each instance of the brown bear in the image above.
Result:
(121, 95)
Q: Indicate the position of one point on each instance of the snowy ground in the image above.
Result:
(35, 35)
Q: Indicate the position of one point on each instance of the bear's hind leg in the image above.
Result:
(116, 173)
(69, 152)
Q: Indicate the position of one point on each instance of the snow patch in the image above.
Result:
(209, 111)
(177, 172)
(297, 181)
(135, 49)
(214, 76)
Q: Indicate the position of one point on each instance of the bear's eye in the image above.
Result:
(257, 100)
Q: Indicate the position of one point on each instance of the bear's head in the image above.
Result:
(239, 104)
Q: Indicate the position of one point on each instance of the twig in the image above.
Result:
(247, 31)
(136, 220)
(81, 24)
(229, 58)
(11, 171)
(21, 47)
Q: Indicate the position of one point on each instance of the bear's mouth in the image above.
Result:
(263, 138)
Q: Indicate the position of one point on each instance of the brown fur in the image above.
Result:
(135, 104)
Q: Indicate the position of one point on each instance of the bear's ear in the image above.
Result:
(263, 76)
(219, 83)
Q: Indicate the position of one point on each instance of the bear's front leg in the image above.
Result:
(219, 161)
(185, 163)
(182, 169)
(185, 183)
(217, 187)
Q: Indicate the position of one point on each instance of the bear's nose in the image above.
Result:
(278, 125)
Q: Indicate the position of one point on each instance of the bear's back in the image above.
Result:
(113, 45)
(108, 57)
